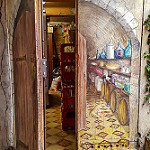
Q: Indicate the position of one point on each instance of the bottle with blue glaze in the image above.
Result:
(128, 50)
(103, 54)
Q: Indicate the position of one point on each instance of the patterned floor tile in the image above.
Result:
(86, 145)
(115, 126)
(55, 147)
(53, 139)
(70, 137)
(111, 120)
(53, 131)
(100, 127)
(65, 143)
(47, 145)
(86, 136)
(50, 119)
(52, 125)
(102, 135)
(59, 127)
(62, 134)
(57, 121)
(118, 133)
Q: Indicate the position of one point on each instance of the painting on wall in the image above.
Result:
(107, 103)
(112, 51)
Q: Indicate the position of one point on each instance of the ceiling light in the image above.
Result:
(44, 3)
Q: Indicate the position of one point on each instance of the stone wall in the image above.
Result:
(144, 108)
(9, 12)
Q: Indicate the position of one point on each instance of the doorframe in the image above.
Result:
(40, 104)
(76, 73)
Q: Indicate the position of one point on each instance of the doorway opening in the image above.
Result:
(59, 85)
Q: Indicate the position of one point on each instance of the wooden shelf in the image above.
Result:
(96, 60)
(114, 71)
(123, 91)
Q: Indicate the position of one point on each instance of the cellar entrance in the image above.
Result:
(59, 85)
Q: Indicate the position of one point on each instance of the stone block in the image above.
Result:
(121, 8)
(112, 4)
(128, 17)
(135, 32)
(96, 2)
(128, 29)
(134, 23)
(117, 15)
(103, 3)
(110, 10)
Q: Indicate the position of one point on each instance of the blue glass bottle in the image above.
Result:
(97, 54)
(128, 50)
(103, 54)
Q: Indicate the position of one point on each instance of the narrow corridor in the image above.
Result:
(56, 138)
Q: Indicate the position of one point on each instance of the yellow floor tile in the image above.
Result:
(53, 139)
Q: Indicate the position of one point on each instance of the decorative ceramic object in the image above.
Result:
(128, 69)
(101, 63)
(93, 63)
(96, 81)
(119, 84)
(114, 78)
(110, 51)
(128, 50)
(113, 66)
(119, 52)
(97, 55)
(127, 87)
(123, 69)
(103, 54)
(105, 72)
(99, 85)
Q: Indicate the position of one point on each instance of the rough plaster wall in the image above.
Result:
(4, 92)
(144, 110)
(6, 74)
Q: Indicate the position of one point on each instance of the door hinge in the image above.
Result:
(44, 65)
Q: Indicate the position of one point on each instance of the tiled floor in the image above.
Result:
(103, 130)
(56, 138)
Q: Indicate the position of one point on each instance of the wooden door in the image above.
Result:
(82, 78)
(25, 82)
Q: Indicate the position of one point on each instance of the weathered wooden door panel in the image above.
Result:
(25, 81)
(82, 57)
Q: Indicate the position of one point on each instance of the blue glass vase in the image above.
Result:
(128, 50)
(103, 54)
